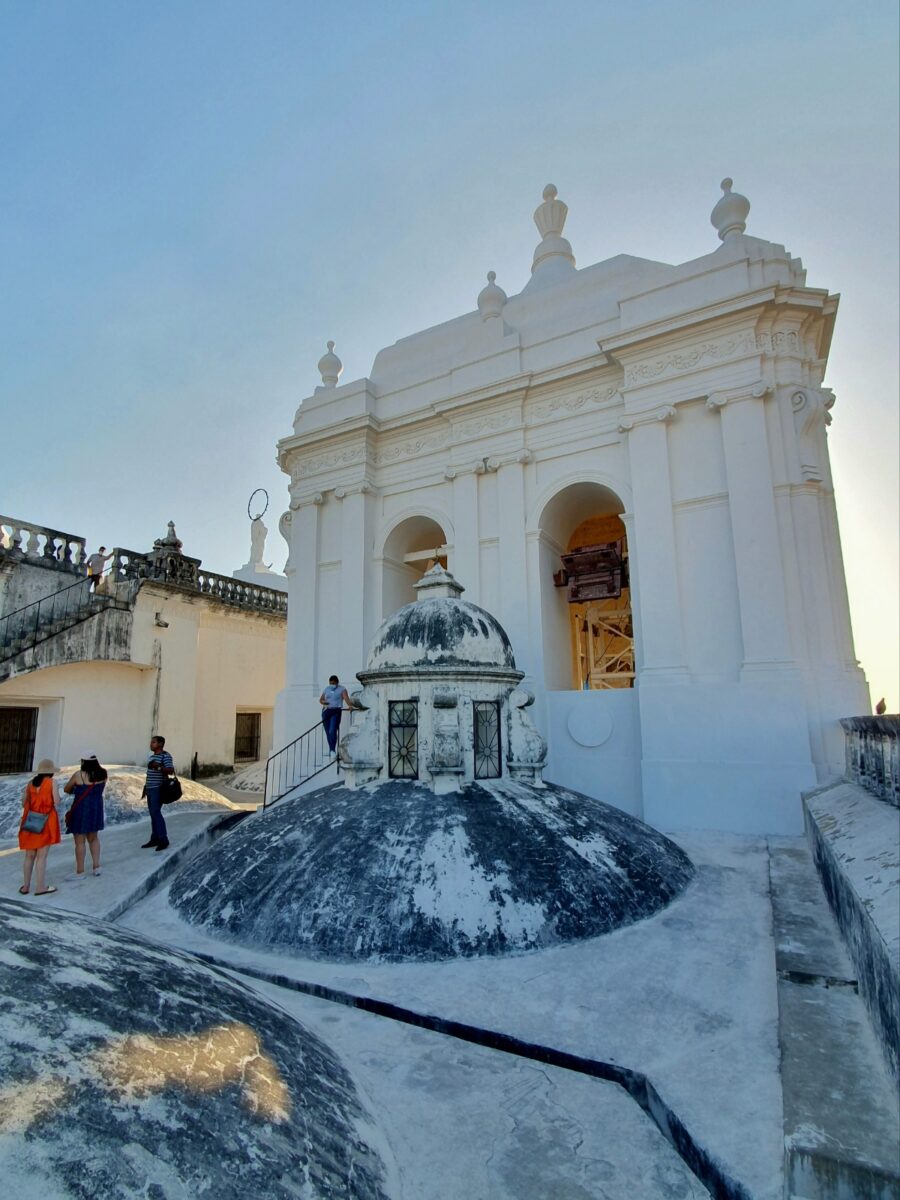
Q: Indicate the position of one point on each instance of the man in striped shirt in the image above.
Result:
(159, 765)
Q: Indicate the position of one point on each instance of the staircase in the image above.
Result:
(296, 763)
(25, 628)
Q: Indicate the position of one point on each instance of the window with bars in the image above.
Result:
(486, 721)
(403, 739)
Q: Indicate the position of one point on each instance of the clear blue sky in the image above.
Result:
(196, 195)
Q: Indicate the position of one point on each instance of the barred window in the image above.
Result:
(487, 739)
(403, 739)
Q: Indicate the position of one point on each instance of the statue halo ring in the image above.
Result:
(262, 511)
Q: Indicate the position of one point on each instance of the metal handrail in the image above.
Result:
(48, 610)
(309, 751)
(78, 583)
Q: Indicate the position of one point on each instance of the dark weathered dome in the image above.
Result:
(393, 871)
(132, 1070)
(440, 632)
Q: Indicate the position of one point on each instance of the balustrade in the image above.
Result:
(873, 754)
(22, 541)
(186, 573)
(41, 545)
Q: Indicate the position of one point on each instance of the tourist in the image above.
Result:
(38, 802)
(84, 820)
(96, 564)
(333, 698)
(159, 765)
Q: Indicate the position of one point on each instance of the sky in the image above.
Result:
(196, 195)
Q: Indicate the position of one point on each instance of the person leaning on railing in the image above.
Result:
(333, 699)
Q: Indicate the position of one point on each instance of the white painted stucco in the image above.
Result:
(193, 665)
(690, 398)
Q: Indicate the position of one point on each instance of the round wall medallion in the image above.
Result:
(587, 726)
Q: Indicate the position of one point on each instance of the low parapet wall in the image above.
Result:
(855, 842)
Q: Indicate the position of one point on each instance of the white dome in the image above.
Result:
(440, 632)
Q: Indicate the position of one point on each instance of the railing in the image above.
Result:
(39, 544)
(183, 572)
(24, 628)
(300, 760)
(873, 754)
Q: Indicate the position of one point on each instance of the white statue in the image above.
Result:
(258, 534)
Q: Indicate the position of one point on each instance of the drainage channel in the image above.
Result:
(705, 1168)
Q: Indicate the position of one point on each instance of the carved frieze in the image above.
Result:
(568, 403)
(316, 464)
(489, 423)
(410, 448)
(678, 362)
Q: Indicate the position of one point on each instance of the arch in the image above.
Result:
(587, 642)
(617, 487)
(416, 533)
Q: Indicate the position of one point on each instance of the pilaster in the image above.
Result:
(754, 525)
(465, 565)
(357, 545)
(657, 603)
(513, 562)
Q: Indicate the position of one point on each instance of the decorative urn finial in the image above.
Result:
(171, 542)
(491, 298)
(330, 367)
(553, 257)
(730, 214)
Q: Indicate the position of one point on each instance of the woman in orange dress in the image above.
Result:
(39, 798)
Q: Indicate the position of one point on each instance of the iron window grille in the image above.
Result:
(486, 714)
(403, 739)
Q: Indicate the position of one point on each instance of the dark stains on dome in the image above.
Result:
(394, 872)
(441, 631)
(130, 1070)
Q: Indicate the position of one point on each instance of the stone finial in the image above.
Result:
(330, 367)
(171, 542)
(730, 214)
(553, 257)
(438, 583)
(491, 298)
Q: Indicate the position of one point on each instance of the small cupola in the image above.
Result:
(441, 701)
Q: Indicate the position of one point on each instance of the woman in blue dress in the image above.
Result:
(84, 820)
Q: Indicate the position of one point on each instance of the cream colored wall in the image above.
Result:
(100, 708)
(240, 665)
(213, 662)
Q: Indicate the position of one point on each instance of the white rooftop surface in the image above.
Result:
(688, 997)
(125, 869)
(465, 1121)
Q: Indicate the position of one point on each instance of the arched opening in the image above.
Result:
(586, 621)
(413, 547)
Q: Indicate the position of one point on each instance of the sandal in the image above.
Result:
(46, 891)
(23, 890)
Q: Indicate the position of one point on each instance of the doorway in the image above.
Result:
(18, 729)
(247, 727)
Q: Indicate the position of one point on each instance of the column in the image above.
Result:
(465, 566)
(513, 613)
(356, 609)
(657, 604)
(754, 526)
(294, 707)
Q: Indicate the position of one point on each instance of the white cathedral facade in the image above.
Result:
(627, 465)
